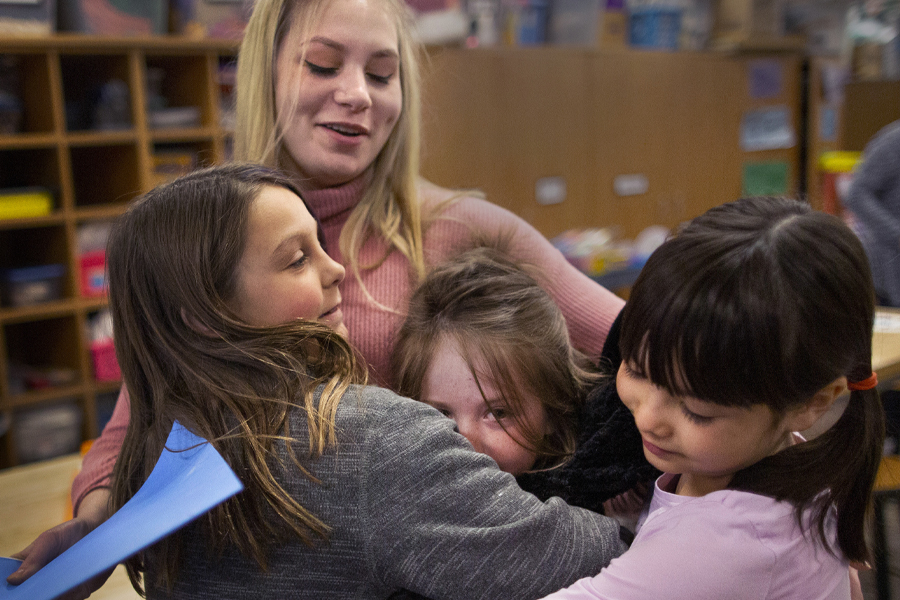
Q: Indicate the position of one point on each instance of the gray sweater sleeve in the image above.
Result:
(874, 195)
(445, 522)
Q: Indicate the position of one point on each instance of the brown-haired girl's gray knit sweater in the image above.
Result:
(411, 506)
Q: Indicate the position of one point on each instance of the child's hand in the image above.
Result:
(48, 546)
(626, 507)
(626, 503)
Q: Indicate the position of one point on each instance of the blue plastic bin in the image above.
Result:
(32, 285)
(656, 27)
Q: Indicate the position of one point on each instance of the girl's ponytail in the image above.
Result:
(852, 449)
(843, 460)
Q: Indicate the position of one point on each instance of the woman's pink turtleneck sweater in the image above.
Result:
(589, 309)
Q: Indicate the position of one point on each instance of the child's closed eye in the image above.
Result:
(694, 417)
(632, 372)
(299, 262)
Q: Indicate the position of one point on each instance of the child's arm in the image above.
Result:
(446, 523)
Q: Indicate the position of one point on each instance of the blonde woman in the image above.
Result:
(329, 91)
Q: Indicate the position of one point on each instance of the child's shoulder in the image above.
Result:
(732, 519)
(752, 511)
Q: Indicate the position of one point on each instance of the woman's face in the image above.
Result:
(339, 103)
(284, 274)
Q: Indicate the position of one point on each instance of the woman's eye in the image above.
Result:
(382, 79)
(694, 417)
(320, 70)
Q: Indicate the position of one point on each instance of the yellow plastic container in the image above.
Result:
(836, 171)
(25, 203)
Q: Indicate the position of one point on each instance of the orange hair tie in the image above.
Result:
(866, 384)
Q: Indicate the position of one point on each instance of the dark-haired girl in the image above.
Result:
(740, 331)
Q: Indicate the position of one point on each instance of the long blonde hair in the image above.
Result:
(174, 253)
(390, 207)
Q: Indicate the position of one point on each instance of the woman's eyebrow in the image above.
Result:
(385, 53)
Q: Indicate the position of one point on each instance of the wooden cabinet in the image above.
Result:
(502, 120)
(94, 161)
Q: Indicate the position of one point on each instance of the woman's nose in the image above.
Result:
(353, 90)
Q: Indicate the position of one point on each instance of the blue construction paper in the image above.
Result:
(181, 487)
(7, 566)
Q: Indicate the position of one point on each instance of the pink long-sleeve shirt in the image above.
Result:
(589, 309)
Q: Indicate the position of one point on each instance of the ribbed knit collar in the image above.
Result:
(332, 203)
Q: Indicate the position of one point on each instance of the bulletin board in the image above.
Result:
(635, 138)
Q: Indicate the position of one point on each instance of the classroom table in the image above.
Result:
(886, 347)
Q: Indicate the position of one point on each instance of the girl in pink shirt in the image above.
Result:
(741, 330)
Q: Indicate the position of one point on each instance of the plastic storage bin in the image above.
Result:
(32, 285)
(106, 367)
(93, 273)
(22, 203)
(35, 17)
(47, 431)
(656, 27)
(836, 173)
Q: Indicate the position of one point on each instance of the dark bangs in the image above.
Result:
(721, 311)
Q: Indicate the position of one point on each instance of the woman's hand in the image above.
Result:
(53, 542)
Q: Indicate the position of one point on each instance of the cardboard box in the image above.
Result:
(37, 17)
(114, 18)
(736, 21)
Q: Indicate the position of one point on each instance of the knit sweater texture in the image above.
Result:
(374, 314)
(411, 505)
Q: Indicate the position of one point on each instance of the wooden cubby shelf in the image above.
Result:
(89, 134)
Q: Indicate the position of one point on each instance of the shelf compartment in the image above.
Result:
(96, 90)
(105, 175)
(36, 246)
(178, 83)
(27, 77)
(48, 346)
(32, 167)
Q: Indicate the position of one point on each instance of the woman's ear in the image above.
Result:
(191, 321)
(805, 416)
